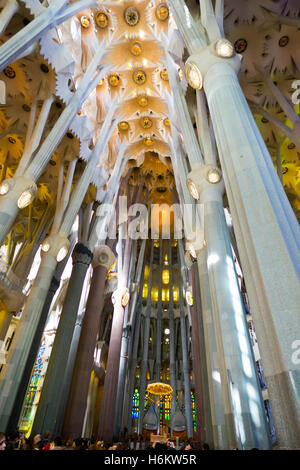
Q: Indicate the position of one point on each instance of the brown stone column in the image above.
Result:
(74, 416)
(109, 400)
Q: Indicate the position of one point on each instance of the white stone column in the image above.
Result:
(220, 405)
(12, 373)
(268, 240)
(230, 323)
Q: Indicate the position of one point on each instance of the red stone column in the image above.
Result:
(108, 407)
(74, 416)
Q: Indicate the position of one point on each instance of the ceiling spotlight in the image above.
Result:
(26, 197)
(62, 253)
(125, 298)
(189, 297)
(46, 246)
(214, 176)
(4, 188)
(224, 48)
(193, 75)
(193, 189)
(85, 22)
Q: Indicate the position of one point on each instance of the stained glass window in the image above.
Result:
(135, 404)
(167, 408)
(193, 409)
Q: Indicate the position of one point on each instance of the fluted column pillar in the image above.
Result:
(228, 309)
(159, 314)
(55, 389)
(264, 224)
(103, 259)
(203, 415)
(144, 362)
(186, 368)
(219, 399)
(172, 339)
(13, 371)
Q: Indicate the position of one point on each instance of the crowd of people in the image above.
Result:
(17, 441)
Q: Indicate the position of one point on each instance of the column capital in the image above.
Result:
(199, 63)
(82, 254)
(20, 189)
(103, 256)
(205, 183)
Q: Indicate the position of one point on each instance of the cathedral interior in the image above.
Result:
(149, 220)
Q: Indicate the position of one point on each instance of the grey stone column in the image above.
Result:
(126, 336)
(186, 368)
(159, 314)
(55, 387)
(172, 339)
(103, 259)
(144, 362)
(202, 402)
(133, 364)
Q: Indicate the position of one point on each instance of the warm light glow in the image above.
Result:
(164, 75)
(101, 20)
(193, 189)
(148, 141)
(162, 12)
(165, 276)
(125, 298)
(189, 297)
(142, 101)
(114, 79)
(4, 188)
(213, 176)
(167, 331)
(145, 290)
(85, 22)
(193, 75)
(136, 48)
(46, 246)
(62, 253)
(123, 126)
(224, 48)
(159, 388)
(154, 294)
(25, 199)
(175, 294)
